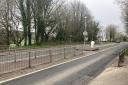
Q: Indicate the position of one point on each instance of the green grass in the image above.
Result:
(52, 44)
(57, 44)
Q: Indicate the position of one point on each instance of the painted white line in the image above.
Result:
(55, 65)
(68, 72)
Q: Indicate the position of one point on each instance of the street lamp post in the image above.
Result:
(70, 39)
(85, 33)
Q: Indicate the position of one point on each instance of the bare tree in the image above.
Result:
(71, 21)
(43, 18)
(6, 17)
(124, 7)
(25, 11)
(47, 18)
(111, 32)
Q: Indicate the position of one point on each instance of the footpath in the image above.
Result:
(113, 75)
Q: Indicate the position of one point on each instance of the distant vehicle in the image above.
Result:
(117, 41)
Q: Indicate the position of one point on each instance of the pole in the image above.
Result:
(29, 61)
(85, 32)
(84, 41)
(50, 55)
(64, 53)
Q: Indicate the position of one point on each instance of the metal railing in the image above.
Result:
(122, 57)
(15, 60)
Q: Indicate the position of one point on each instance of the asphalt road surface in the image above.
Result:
(67, 73)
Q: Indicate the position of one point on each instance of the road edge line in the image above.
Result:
(4, 81)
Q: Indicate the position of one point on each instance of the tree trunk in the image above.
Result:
(29, 22)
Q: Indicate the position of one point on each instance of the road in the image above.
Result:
(66, 74)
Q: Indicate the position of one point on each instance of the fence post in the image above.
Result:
(15, 55)
(123, 54)
(64, 53)
(121, 58)
(35, 55)
(9, 50)
(119, 61)
(50, 54)
(82, 50)
(29, 61)
(74, 51)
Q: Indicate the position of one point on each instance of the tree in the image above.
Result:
(71, 21)
(8, 19)
(5, 18)
(111, 31)
(120, 36)
(25, 11)
(92, 29)
(124, 7)
(44, 19)
(24, 19)
(28, 14)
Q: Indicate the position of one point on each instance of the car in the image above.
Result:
(117, 42)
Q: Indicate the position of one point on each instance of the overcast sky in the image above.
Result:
(105, 11)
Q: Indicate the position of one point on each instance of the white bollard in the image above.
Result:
(92, 44)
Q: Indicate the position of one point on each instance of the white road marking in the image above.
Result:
(66, 73)
(55, 65)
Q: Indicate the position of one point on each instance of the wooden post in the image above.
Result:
(14, 55)
(64, 53)
(50, 54)
(74, 51)
(121, 58)
(35, 54)
(29, 61)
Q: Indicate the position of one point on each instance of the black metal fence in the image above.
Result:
(122, 57)
(15, 60)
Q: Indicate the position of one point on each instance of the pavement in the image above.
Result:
(67, 73)
(113, 75)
